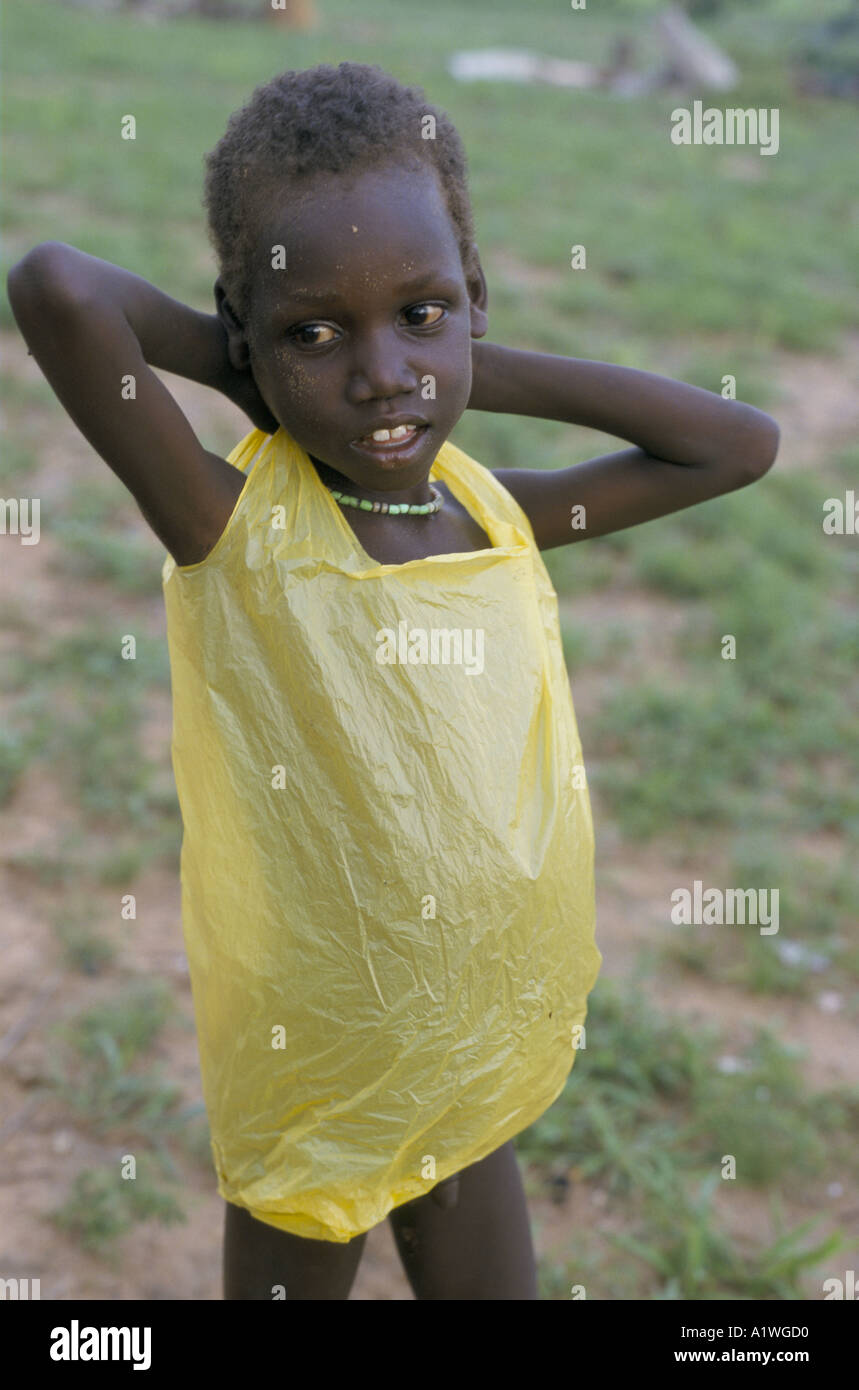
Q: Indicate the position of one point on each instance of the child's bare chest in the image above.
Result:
(396, 540)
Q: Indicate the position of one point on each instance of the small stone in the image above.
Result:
(829, 1001)
(731, 1065)
(794, 953)
(62, 1142)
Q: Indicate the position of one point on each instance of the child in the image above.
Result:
(387, 857)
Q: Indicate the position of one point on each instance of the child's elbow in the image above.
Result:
(769, 445)
(758, 449)
(41, 270)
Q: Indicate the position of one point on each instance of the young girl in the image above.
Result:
(387, 860)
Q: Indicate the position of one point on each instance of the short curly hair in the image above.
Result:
(323, 119)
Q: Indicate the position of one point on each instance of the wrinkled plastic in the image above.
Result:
(387, 867)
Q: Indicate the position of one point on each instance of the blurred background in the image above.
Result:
(702, 262)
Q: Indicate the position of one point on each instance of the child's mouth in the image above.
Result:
(399, 443)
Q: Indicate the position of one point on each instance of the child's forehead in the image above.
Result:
(383, 224)
(328, 209)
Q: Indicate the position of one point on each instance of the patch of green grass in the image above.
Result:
(592, 647)
(693, 1258)
(773, 581)
(132, 1022)
(102, 1206)
(189, 1128)
(85, 948)
(648, 1113)
(52, 869)
(647, 1099)
(815, 915)
(749, 961)
(122, 864)
(80, 711)
(760, 1116)
(14, 756)
(688, 754)
(16, 463)
(682, 1253)
(120, 558)
(579, 569)
(846, 463)
(107, 1098)
(100, 543)
(101, 748)
(80, 862)
(695, 243)
(97, 1073)
(17, 395)
(761, 572)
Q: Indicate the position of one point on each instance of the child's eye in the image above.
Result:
(312, 328)
(426, 308)
(298, 334)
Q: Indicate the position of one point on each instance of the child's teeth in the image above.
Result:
(382, 436)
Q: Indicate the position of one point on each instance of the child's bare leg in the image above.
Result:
(259, 1258)
(479, 1249)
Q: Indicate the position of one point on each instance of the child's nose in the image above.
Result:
(380, 366)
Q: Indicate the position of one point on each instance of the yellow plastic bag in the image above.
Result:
(387, 864)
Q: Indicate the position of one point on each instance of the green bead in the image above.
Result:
(365, 505)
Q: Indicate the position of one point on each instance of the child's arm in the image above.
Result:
(92, 327)
(692, 444)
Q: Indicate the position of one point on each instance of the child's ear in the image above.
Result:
(237, 345)
(479, 296)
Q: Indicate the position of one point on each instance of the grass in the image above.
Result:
(693, 1259)
(85, 948)
(14, 751)
(102, 1077)
(102, 1206)
(679, 1252)
(132, 1023)
(647, 1098)
(647, 1117)
(725, 251)
(816, 915)
(102, 541)
(773, 730)
(94, 748)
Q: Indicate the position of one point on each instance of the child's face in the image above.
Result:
(371, 317)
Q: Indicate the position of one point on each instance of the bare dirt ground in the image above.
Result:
(43, 1147)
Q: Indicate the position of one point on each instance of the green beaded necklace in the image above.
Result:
(392, 508)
